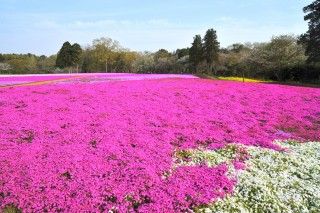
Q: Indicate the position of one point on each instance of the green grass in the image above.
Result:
(253, 80)
(242, 79)
(234, 78)
(11, 209)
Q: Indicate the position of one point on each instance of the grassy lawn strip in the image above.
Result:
(233, 78)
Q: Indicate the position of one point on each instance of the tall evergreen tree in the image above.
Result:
(64, 58)
(69, 55)
(312, 38)
(211, 47)
(196, 52)
(76, 53)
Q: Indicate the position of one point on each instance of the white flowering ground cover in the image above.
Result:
(273, 181)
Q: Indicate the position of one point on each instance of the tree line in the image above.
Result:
(283, 58)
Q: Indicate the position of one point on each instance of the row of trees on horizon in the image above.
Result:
(284, 57)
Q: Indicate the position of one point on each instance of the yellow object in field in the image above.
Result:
(241, 79)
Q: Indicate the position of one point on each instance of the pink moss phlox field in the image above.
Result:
(102, 146)
(6, 80)
(12, 80)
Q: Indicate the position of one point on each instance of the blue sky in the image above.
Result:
(41, 26)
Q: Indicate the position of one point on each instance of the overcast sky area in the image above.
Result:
(40, 26)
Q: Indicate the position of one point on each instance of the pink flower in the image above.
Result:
(102, 142)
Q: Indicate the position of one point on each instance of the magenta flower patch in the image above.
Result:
(89, 144)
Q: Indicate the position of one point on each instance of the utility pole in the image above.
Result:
(243, 76)
(106, 65)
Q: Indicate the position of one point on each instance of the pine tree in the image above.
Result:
(312, 38)
(211, 47)
(64, 58)
(196, 52)
(76, 53)
(69, 55)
